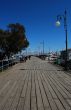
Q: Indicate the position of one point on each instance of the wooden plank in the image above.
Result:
(62, 100)
(33, 92)
(59, 105)
(11, 98)
(14, 103)
(58, 85)
(49, 96)
(63, 82)
(27, 104)
(7, 96)
(49, 87)
(4, 87)
(43, 94)
(25, 86)
(38, 94)
(23, 93)
(21, 104)
(14, 96)
(61, 88)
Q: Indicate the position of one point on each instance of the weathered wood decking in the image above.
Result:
(35, 85)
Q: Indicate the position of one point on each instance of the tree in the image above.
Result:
(13, 39)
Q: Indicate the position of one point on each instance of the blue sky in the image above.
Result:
(38, 17)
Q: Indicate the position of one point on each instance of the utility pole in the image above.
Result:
(43, 47)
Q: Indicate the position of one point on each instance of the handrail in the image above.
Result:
(6, 63)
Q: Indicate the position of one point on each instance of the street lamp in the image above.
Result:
(57, 23)
(59, 18)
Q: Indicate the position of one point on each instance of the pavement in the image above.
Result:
(35, 85)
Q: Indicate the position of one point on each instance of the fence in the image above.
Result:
(4, 64)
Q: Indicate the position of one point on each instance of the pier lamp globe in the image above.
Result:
(57, 23)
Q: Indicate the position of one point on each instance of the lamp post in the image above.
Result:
(59, 18)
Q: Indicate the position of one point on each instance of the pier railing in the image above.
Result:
(6, 63)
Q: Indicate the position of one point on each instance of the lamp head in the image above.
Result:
(57, 23)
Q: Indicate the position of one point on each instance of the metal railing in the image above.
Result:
(6, 63)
